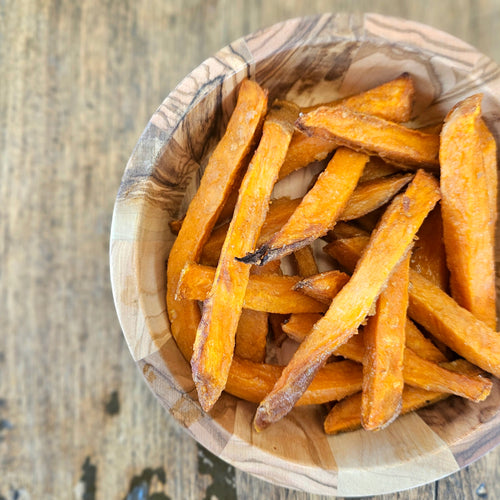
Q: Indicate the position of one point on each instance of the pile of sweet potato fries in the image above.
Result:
(405, 317)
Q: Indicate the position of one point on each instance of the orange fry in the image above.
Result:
(319, 209)
(428, 256)
(251, 335)
(306, 264)
(437, 312)
(269, 293)
(369, 134)
(228, 158)
(346, 414)
(253, 381)
(466, 210)
(388, 245)
(214, 343)
(384, 336)
(392, 100)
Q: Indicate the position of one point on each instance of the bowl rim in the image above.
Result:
(124, 244)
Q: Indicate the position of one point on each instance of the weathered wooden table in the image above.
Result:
(79, 80)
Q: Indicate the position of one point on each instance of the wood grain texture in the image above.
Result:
(79, 83)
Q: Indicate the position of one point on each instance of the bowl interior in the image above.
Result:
(308, 61)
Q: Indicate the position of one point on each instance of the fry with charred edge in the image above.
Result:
(253, 381)
(369, 134)
(367, 196)
(388, 245)
(384, 336)
(319, 209)
(467, 221)
(279, 212)
(214, 343)
(437, 312)
(346, 414)
(392, 101)
(219, 176)
(306, 263)
(269, 293)
(428, 256)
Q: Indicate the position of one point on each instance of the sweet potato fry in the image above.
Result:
(388, 245)
(466, 210)
(269, 293)
(251, 335)
(453, 325)
(253, 381)
(425, 374)
(392, 101)
(298, 326)
(346, 414)
(222, 169)
(306, 264)
(323, 286)
(437, 312)
(489, 150)
(369, 134)
(319, 209)
(428, 256)
(214, 343)
(370, 195)
(377, 168)
(279, 212)
(384, 336)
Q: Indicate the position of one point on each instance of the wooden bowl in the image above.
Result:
(308, 60)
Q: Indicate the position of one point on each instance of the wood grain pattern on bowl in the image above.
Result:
(308, 60)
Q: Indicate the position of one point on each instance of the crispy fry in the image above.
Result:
(222, 169)
(370, 195)
(377, 168)
(251, 335)
(388, 245)
(319, 209)
(437, 312)
(279, 212)
(369, 134)
(384, 336)
(428, 256)
(253, 381)
(324, 286)
(306, 264)
(453, 325)
(489, 150)
(367, 196)
(298, 326)
(425, 374)
(346, 414)
(269, 293)
(466, 210)
(214, 343)
(421, 345)
(392, 100)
